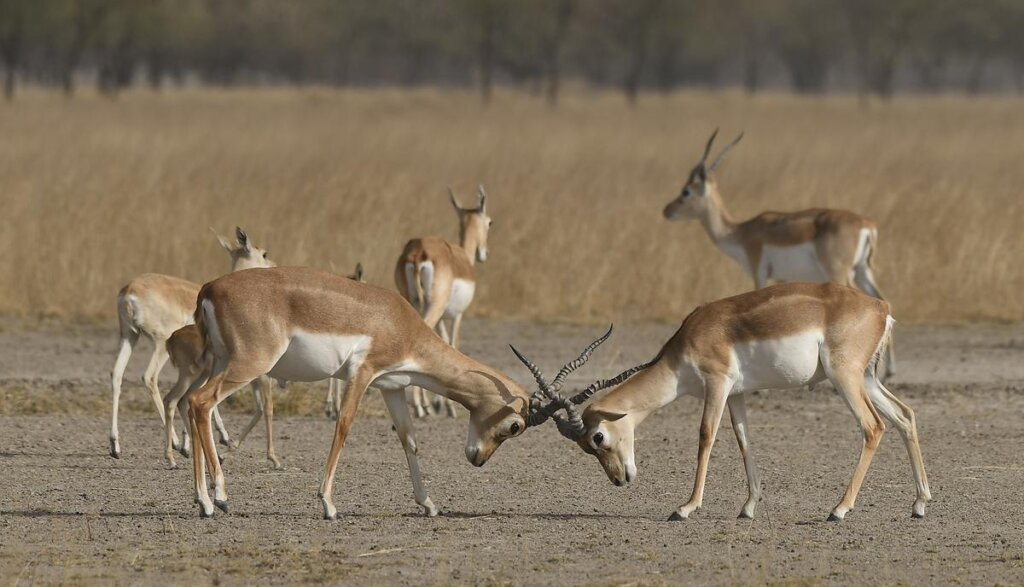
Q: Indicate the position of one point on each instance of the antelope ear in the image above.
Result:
(359, 272)
(608, 415)
(243, 239)
(223, 241)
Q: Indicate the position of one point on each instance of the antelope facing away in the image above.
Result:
(300, 324)
(438, 277)
(154, 306)
(814, 245)
(780, 337)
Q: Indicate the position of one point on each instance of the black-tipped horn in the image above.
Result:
(721, 156)
(707, 149)
(534, 370)
(556, 383)
(600, 384)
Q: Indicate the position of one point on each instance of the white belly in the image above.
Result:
(795, 263)
(783, 363)
(314, 357)
(462, 296)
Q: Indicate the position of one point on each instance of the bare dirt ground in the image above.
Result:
(541, 511)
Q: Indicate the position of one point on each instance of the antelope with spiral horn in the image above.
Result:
(780, 337)
(814, 246)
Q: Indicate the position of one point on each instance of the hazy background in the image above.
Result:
(330, 129)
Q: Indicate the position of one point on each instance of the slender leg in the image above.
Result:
(329, 402)
(258, 395)
(152, 377)
(715, 391)
(202, 494)
(738, 415)
(850, 387)
(902, 417)
(337, 398)
(268, 414)
(124, 352)
(395, 400)
(222, 430)
(437, 402)
(450, 404)
(353, 393)
(202, 403)
(185, 448)
(186, 375)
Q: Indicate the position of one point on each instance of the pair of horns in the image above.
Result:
(571, 425)
(481, 197)
(721, 156)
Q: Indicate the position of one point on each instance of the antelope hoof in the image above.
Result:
(115, 448)
(171, 464)
(832, 517)
(330, 513)
(918, 509)
(276, 462)
(429, 509)
(676, 517)
(222, 505)
(205, 511)
(745, 516)
(220, 459)
(185, 452)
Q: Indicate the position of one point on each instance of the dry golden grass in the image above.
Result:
(95, 192)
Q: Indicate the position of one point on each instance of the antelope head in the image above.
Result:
(604, 434)
(244, 254)
(474, 223)
(692, 201)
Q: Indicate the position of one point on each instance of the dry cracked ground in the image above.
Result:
(541, 511)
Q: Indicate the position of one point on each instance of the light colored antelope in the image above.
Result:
(332, 405)
(300, 324)
(438, 277)
(814, 245)
(154, 306)
(780, 337)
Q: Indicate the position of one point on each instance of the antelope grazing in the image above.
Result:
(155, 306)
(814, 245)
(780, 337)
(438, 278)
(300, 324)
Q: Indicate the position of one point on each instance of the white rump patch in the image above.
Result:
(462, 296)
(213, 330)
(782, 363)
(795, 263)
(314, 357)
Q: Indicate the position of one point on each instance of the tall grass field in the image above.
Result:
(94, 191)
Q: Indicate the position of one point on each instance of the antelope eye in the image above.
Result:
(514, 429)
(598, 439)
(686, 192)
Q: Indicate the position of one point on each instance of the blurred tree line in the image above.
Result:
(811, 46)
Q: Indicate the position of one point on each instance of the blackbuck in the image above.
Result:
(154, 306)
(438, 278)
(780, 337)
(300, 324)
(815, 245)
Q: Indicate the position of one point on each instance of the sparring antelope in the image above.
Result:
(783, 336)
(815, 245)
(300, 324)
(438, 278)
(155, 306)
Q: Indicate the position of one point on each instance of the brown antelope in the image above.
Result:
(780, 337)
(814, 245)
(438, 277)
(300, 324)
(155, 306)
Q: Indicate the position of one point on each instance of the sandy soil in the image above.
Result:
(541, 512)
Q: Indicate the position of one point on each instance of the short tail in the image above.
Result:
(200, 319)
(128, 312)
(417, 278)
(872, 245)
(883, 344)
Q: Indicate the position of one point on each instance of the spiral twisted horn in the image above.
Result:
(721, 156)
(556, 383)
(707, 149)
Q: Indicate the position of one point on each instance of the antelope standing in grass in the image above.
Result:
(300, 324)
(780, 337)
(154, 306)
(438, 278)
(814, 245)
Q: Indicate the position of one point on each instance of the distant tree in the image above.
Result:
(808, 42)
(880, 31)
(14, 16)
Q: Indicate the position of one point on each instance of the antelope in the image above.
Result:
(815, 245)
(332, 405)
(301, 324)
(438, 278)
(155, 306)
(780, 337)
